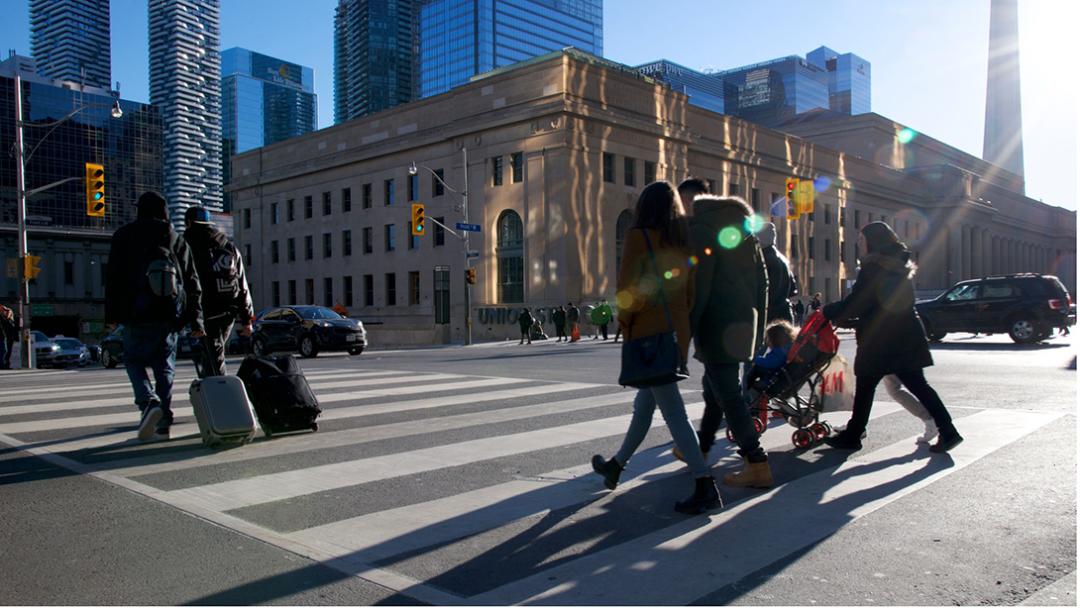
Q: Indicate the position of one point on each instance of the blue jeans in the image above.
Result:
(673, 409)
(151, 345)
(724, 398)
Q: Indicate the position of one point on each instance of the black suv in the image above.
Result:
(1028, 307)
(308, 329)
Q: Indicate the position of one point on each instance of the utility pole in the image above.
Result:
(26, 349)
(468, 263)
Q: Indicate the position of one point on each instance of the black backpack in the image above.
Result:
(159, 293)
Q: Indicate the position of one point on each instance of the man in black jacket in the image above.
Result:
(781, 281)
(225, 296)
(9, 330)
(153, 289)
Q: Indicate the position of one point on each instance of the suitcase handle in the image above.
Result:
(207, 369)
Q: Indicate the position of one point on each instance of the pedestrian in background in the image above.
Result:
(889, 336)
(781, 281)
(728, 320)
(799, 311)
(8, 332)
(650, 305)
(573, 317)
(153, 289)
(691, 188)
(559, 318)
(225, 296)
(525, 322)
(601, 316)
(815, 302)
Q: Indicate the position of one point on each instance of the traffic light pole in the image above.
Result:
(26, 355)
(468, 286)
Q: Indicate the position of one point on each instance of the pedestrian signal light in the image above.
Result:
(95, 190)
(31, 266)
(791, 187)
(805, 196)
(418, 223)
(470, 276)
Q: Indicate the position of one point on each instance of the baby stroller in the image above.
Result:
(793, 391)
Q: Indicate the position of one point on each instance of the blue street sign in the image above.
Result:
(468, 227)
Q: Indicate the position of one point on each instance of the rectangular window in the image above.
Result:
(732, 189)
(436, 185)
(388, 192)
(858, 220)
(843, 254)
(810, 217)
(309, 292)
(328, 292)
(389, 237)
(828, 250)
(327, 205)
(290, 250)
(793, 250)
(391, 289)
(104, 273)
(810, 248)
(414, 288)
(774, 203)
(366, 196)
(368, 246)
(292, 293)
(439, 235)
(290, 210)
(609, 168)
(346, 200)
(369, 290)
(712, 186)
(650, 172)
(843, 216)
(414, 241)
(327, 245)
(414, 187)
(309, 247)
(247, 218)
(755, 200)
(346, 286)
(496, 170)
(69, 273)
(274, 252)
(247, 254)
(346, 242)
(517, 167)
(308, 208)
(442, 294)
(828, 214)
(273, 212)
(629, 164)
(275, 293)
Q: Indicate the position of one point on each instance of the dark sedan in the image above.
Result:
(309, 330)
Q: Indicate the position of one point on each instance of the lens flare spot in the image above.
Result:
(708, 251)
(667, 275)
(729, 238)
(754, 223)
(624, 299)
(906, 135)
(675, 272)
(693, 261)
(822, 183)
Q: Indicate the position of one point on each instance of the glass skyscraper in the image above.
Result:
(374, 56)
(129, 147)
(185, 85)
(703, 89)
(462, 38)
(264, 100)
(69, 39)
(849, 79)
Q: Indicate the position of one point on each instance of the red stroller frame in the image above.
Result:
(783, 394)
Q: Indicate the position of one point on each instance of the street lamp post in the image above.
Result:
(27, 352)
(463, 237)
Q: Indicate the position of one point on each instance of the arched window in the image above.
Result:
(509, 250)
(622, 226)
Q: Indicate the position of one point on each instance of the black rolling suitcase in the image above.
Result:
(280, 394)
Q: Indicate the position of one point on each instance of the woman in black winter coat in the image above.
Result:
(889, 336)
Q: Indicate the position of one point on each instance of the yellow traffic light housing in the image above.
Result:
(791, 187)
(418, 223)
(95, 190)
(470, 276)
(805, 196)
(31, 266)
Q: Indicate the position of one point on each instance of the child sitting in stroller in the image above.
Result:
(779, 336)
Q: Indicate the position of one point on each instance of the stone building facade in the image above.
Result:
(557, 150)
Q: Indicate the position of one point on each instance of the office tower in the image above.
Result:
(374, 56)
(703, 90)
(185, 85)
(849, 79)
(1003, 133)
(462, 38)
(69, 39)
(264, 100)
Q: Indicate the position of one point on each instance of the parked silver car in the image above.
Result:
(72, 352)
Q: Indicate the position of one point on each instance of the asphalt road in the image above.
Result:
(459, 476)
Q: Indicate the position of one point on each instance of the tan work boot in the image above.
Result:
(753, 475)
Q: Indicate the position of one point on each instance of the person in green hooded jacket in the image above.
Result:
(601, 316)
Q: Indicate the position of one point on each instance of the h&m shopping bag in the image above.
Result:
(837, 386)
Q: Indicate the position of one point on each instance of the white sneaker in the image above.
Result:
(929, 434)
(148, 425)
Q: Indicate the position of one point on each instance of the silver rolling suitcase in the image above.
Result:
(223, 411)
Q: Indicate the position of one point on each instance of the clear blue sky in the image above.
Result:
(928, 57)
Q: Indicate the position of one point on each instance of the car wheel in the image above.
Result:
(308, 348)
(1022, 330)
(356, 351)
(259, 348)
(108, 360)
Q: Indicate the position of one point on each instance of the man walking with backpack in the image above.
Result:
(225, 296)
(152, 287)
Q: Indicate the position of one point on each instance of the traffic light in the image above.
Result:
(791, 186)
(418, 223)
(470, 276)
(95, 190)
(805, 196)
(31, 266)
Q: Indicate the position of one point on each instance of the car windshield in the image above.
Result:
(39, 337)
(68, 343)
(316, 313)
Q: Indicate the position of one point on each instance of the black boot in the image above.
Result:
(845, 440)
(704, 498)
(946, 442)
(608, 469)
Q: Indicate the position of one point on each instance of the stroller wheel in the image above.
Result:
(820, 430)
(802, 438)
(759, 426)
